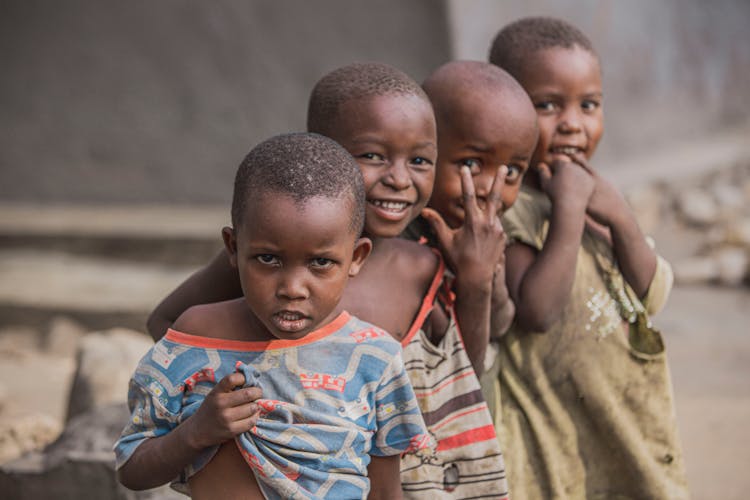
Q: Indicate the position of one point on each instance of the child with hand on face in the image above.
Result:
(384, 119)
(486, 135)
(587, 409)
(337, 409)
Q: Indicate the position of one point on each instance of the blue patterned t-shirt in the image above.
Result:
(330, 400)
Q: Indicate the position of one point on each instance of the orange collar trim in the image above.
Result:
(255, 345)
(427, 302)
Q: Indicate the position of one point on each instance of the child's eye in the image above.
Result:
(472, 163)
(268, 259)
(321, 263)
(590, 105)
(545, 106)
(372, 157)
(421, 161)
(514, 173)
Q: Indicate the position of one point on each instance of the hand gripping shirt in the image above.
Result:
(330, 400)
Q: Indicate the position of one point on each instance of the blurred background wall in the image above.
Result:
(673, 70)
(158, 101)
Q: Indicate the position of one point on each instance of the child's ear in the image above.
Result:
(362, 248)
(230, 244)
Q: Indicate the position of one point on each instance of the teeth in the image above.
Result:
(395, 206)
(288, 316)
(566, 150)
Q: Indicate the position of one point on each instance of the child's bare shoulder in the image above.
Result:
(414, 260)
(216, 320)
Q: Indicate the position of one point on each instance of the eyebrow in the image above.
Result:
(479, 149)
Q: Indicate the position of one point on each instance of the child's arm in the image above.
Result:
(503, 308)
(472, 251)
(385, 478)
(224, 413)
(636, 259)
(215, 282)
(540, 282)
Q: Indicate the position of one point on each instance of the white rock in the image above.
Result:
(729, 197)
(26, 433)
(646, 203)
(63, 336)
(35, 383)
(738, 232)
(732, 264)
(19, 338)
(695, 270)
(698, 207)
(106, 360)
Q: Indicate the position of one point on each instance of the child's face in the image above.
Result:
(393, 139)
(294, 260)
(565, 86)
(489, 131)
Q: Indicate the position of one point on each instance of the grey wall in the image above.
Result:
(674, 70)
(148, 101)
(159, 101)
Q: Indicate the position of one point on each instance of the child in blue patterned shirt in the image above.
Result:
(337, 409)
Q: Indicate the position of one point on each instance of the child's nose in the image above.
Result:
(292, 286)
(483, 182)
(570, 120)
(397, 176)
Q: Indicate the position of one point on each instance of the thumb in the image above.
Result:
(438, 225)
(545, 174)
(230, 382)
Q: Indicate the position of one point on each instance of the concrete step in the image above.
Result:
(173, 235)
(36, 285)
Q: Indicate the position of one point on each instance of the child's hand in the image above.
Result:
(478, 245)
(566, 182)
(225, 412)
(606, 201)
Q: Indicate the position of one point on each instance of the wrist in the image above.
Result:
(191, 436)
(475, 284)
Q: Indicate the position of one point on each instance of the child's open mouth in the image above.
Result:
(388, 209)
(290, 321)
(566, 150)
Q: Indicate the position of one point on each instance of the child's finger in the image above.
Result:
(244, 425)
(241, 412)
(495, 198)
(545, 174)
(242, 396)
(469, 196)
(580, 159)
(230, 382)
(439, 226)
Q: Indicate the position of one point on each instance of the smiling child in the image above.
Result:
(587, 409)
(384, 119)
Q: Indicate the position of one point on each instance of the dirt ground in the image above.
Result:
(707, 333)
(708, 344)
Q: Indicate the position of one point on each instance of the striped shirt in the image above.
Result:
(466, 461)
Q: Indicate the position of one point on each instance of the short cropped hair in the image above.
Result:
(517, 40)
(355, 81)
(303, 166)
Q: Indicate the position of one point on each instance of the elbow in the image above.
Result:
(135, 482)
(157, 326)
(535, 321)
(126, 480)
